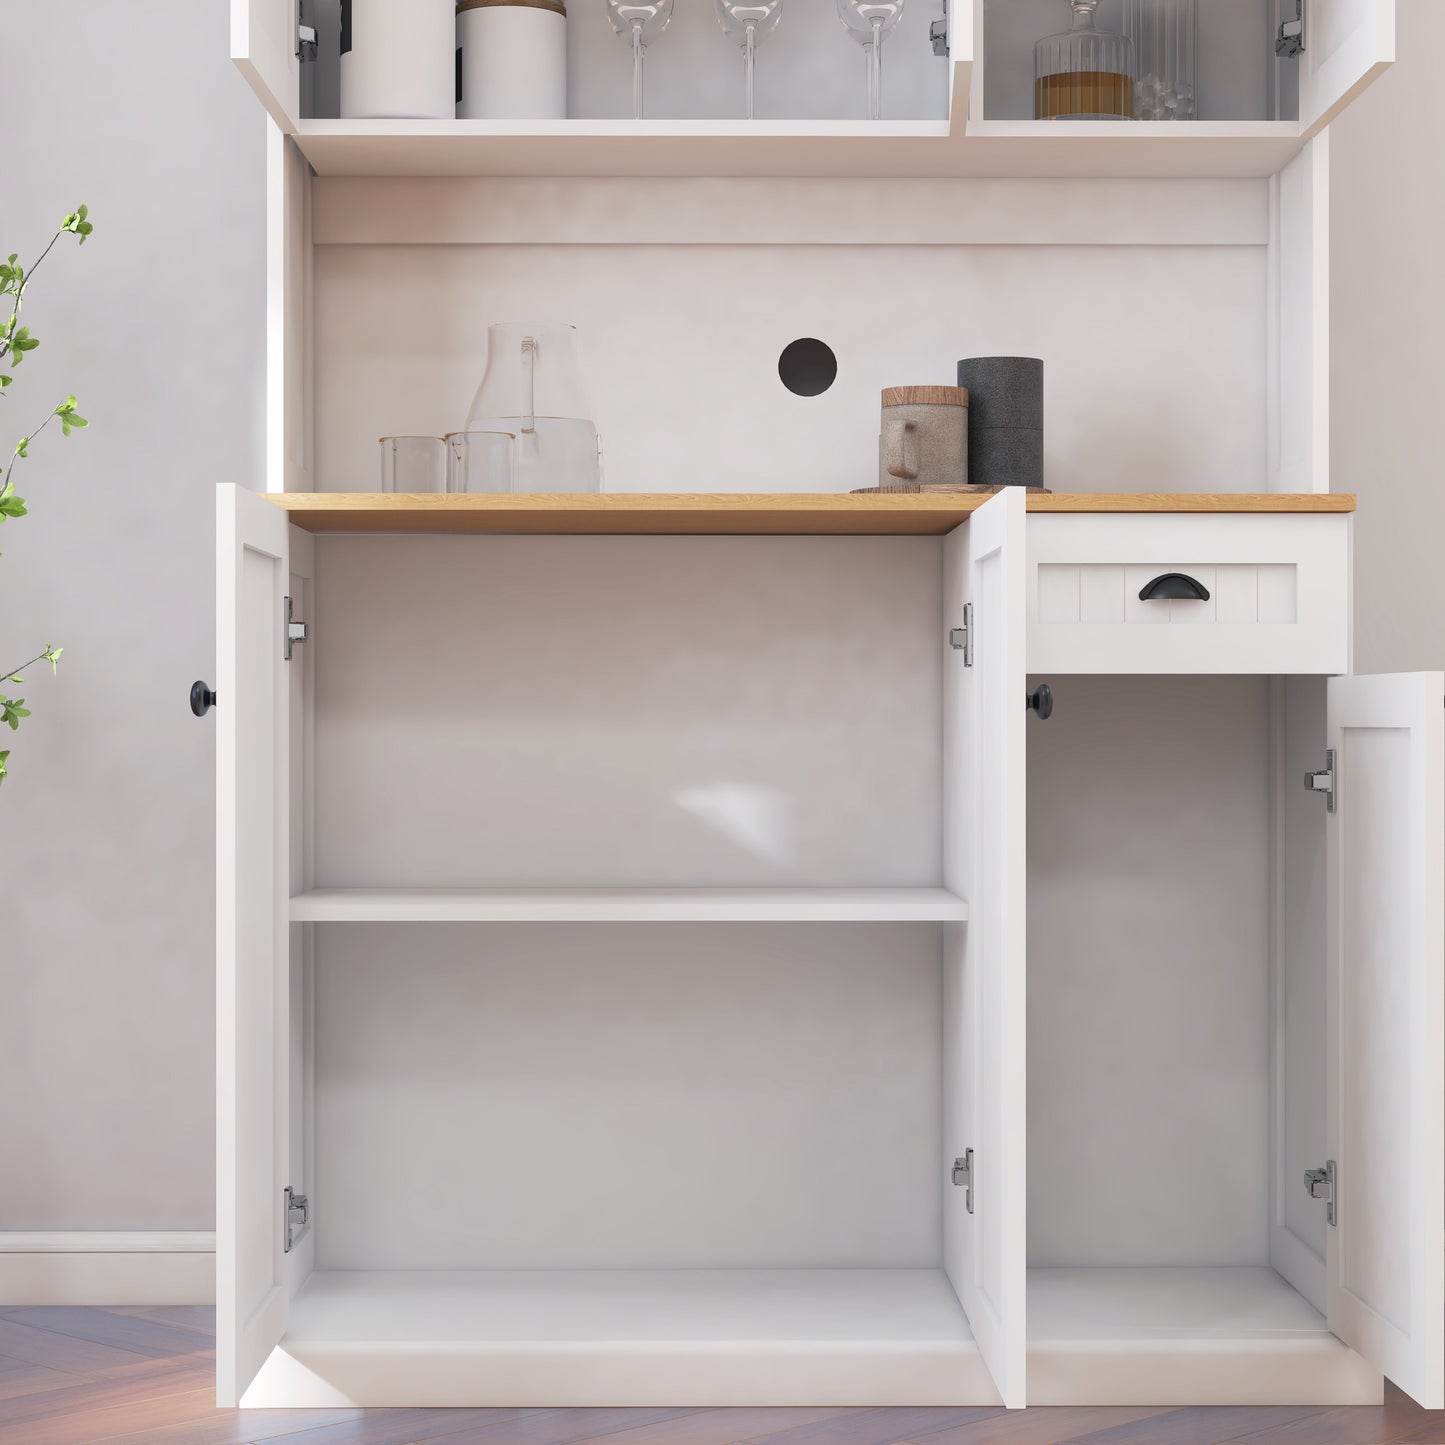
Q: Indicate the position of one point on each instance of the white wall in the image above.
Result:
(1387, 297)
(157, 325)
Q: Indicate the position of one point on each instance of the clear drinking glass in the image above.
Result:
(1163, 34)
(1084, 73)
(533, 390)
(747, 23)
(641, 23)
(868, 21)
(413, 464)
(479, 461)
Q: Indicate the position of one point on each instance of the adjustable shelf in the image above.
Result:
(736, 513)
(628, 905)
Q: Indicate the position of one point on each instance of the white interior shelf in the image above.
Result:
(628, 905)
(637, 1337)
(729, 148)
(1096, 1334)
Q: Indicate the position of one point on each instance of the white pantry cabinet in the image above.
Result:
(661, 958)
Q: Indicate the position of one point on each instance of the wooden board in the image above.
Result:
(735, 513)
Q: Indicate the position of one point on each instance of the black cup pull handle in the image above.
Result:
(1041, 701)
(202, 698)
(1174, 586)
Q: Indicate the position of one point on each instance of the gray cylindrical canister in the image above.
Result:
(1006, 420)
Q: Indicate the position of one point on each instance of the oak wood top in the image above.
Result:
(737, 513)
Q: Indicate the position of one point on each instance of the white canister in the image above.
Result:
(513, 59)
(398, 59)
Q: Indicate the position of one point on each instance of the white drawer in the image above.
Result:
(1278, 585)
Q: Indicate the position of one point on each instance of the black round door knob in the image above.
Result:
(1041, 701)
(202, 698)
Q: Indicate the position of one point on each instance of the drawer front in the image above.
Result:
(1279, 593)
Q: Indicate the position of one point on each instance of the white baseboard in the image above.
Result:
(112, 1268)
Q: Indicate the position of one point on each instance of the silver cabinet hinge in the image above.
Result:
(1324, 782)
(305, 35)
(938, 32)
(960, 639)
(1322, 1184)
(963, 1177)
(1290, 42)
(298, 1216)
(294, 631)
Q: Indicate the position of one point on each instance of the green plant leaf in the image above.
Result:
(4, 769)
(22, 447)
(52, 656)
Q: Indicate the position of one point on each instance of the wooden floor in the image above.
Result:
(79, 1376)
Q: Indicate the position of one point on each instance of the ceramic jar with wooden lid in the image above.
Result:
(924, 440)
(398, 59)
(512, 59)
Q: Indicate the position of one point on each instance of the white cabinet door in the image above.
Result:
(984, 960)
(263, 45)
(1385, 1256)
(1347, 44)
(252, 945)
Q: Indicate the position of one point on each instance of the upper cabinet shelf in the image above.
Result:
(797, 148)
(971, 107)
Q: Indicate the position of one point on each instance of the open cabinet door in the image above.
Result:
(1347, 44)
(1385, 1255)
(252, 934)
(984, 960)
(264, 35)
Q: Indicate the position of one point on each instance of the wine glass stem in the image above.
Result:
(636, 71)
(875, 73)
(752, 34)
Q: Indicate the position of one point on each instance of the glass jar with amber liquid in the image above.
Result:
(1085, 73)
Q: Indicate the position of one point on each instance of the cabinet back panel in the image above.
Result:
(1155, 356)
(615, 711)
(1149, 973)
(616, 1096)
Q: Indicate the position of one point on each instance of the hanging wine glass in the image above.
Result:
(747, 21)
(868, 21)
(641, 23)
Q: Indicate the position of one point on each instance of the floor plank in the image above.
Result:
(152, 1380)
(718, 1427)
(1358, 1425)
(19, 1378)
(413, 1426)
(90, 1427)
(242, 1427)
(1201, 1425)
(200, 1318)
(878, 1427)
(62, 1352)
(1039, 1426)
(135, 1333)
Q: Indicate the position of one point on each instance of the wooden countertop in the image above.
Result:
(737, 513)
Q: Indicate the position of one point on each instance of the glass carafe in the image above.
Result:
(1085, 73)
(533, 389)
